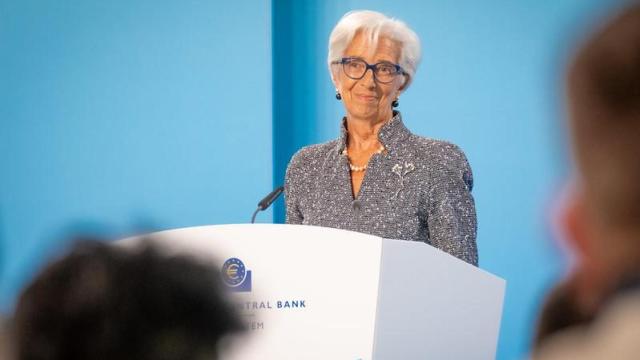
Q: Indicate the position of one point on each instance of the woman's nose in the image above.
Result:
(368, 79)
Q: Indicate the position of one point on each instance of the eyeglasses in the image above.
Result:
(383, 72)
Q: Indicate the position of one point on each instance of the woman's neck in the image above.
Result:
(363, 133)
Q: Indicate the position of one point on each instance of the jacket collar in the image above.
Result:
(390, 134)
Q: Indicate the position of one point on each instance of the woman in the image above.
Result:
(378, 177)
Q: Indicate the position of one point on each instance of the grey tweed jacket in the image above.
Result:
(418, 189)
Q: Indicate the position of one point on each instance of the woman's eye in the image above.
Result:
(355, 65)
(386, 69)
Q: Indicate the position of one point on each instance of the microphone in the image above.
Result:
(267, 201)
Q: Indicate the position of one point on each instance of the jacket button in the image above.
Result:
(356, 205)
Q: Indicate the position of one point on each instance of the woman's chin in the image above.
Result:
(365, 112)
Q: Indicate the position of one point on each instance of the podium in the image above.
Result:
(310, 292)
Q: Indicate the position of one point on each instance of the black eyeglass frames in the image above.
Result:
(383, 72)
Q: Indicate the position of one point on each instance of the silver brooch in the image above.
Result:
(402, 171)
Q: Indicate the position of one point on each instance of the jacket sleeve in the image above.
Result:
(292, 187)
(451, 213)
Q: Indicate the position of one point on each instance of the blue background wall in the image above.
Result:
(129, 116)
(124, 116)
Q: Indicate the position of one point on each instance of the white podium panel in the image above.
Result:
(430, 302)
(319, 293)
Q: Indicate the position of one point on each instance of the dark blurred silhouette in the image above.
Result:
(560, 312)
(595, 313)
(106, 302)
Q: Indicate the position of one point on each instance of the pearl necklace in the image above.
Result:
(360, 168)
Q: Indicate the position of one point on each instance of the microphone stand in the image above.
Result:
(267, 201)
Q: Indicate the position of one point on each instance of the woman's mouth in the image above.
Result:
(367, 98)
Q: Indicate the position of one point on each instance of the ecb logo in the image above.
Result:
(236, 276)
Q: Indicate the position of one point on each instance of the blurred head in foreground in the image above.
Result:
(106, 302)
(602, 218)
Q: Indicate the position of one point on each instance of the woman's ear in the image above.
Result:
(406, 80)
(335, 77)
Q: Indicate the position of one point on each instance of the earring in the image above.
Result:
(338, 96)
(395, 103)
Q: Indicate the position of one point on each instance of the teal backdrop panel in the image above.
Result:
(123, 116)
(490, 81)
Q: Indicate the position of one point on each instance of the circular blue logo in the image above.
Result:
(233, 272)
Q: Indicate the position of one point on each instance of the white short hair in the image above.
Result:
(374, 25)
